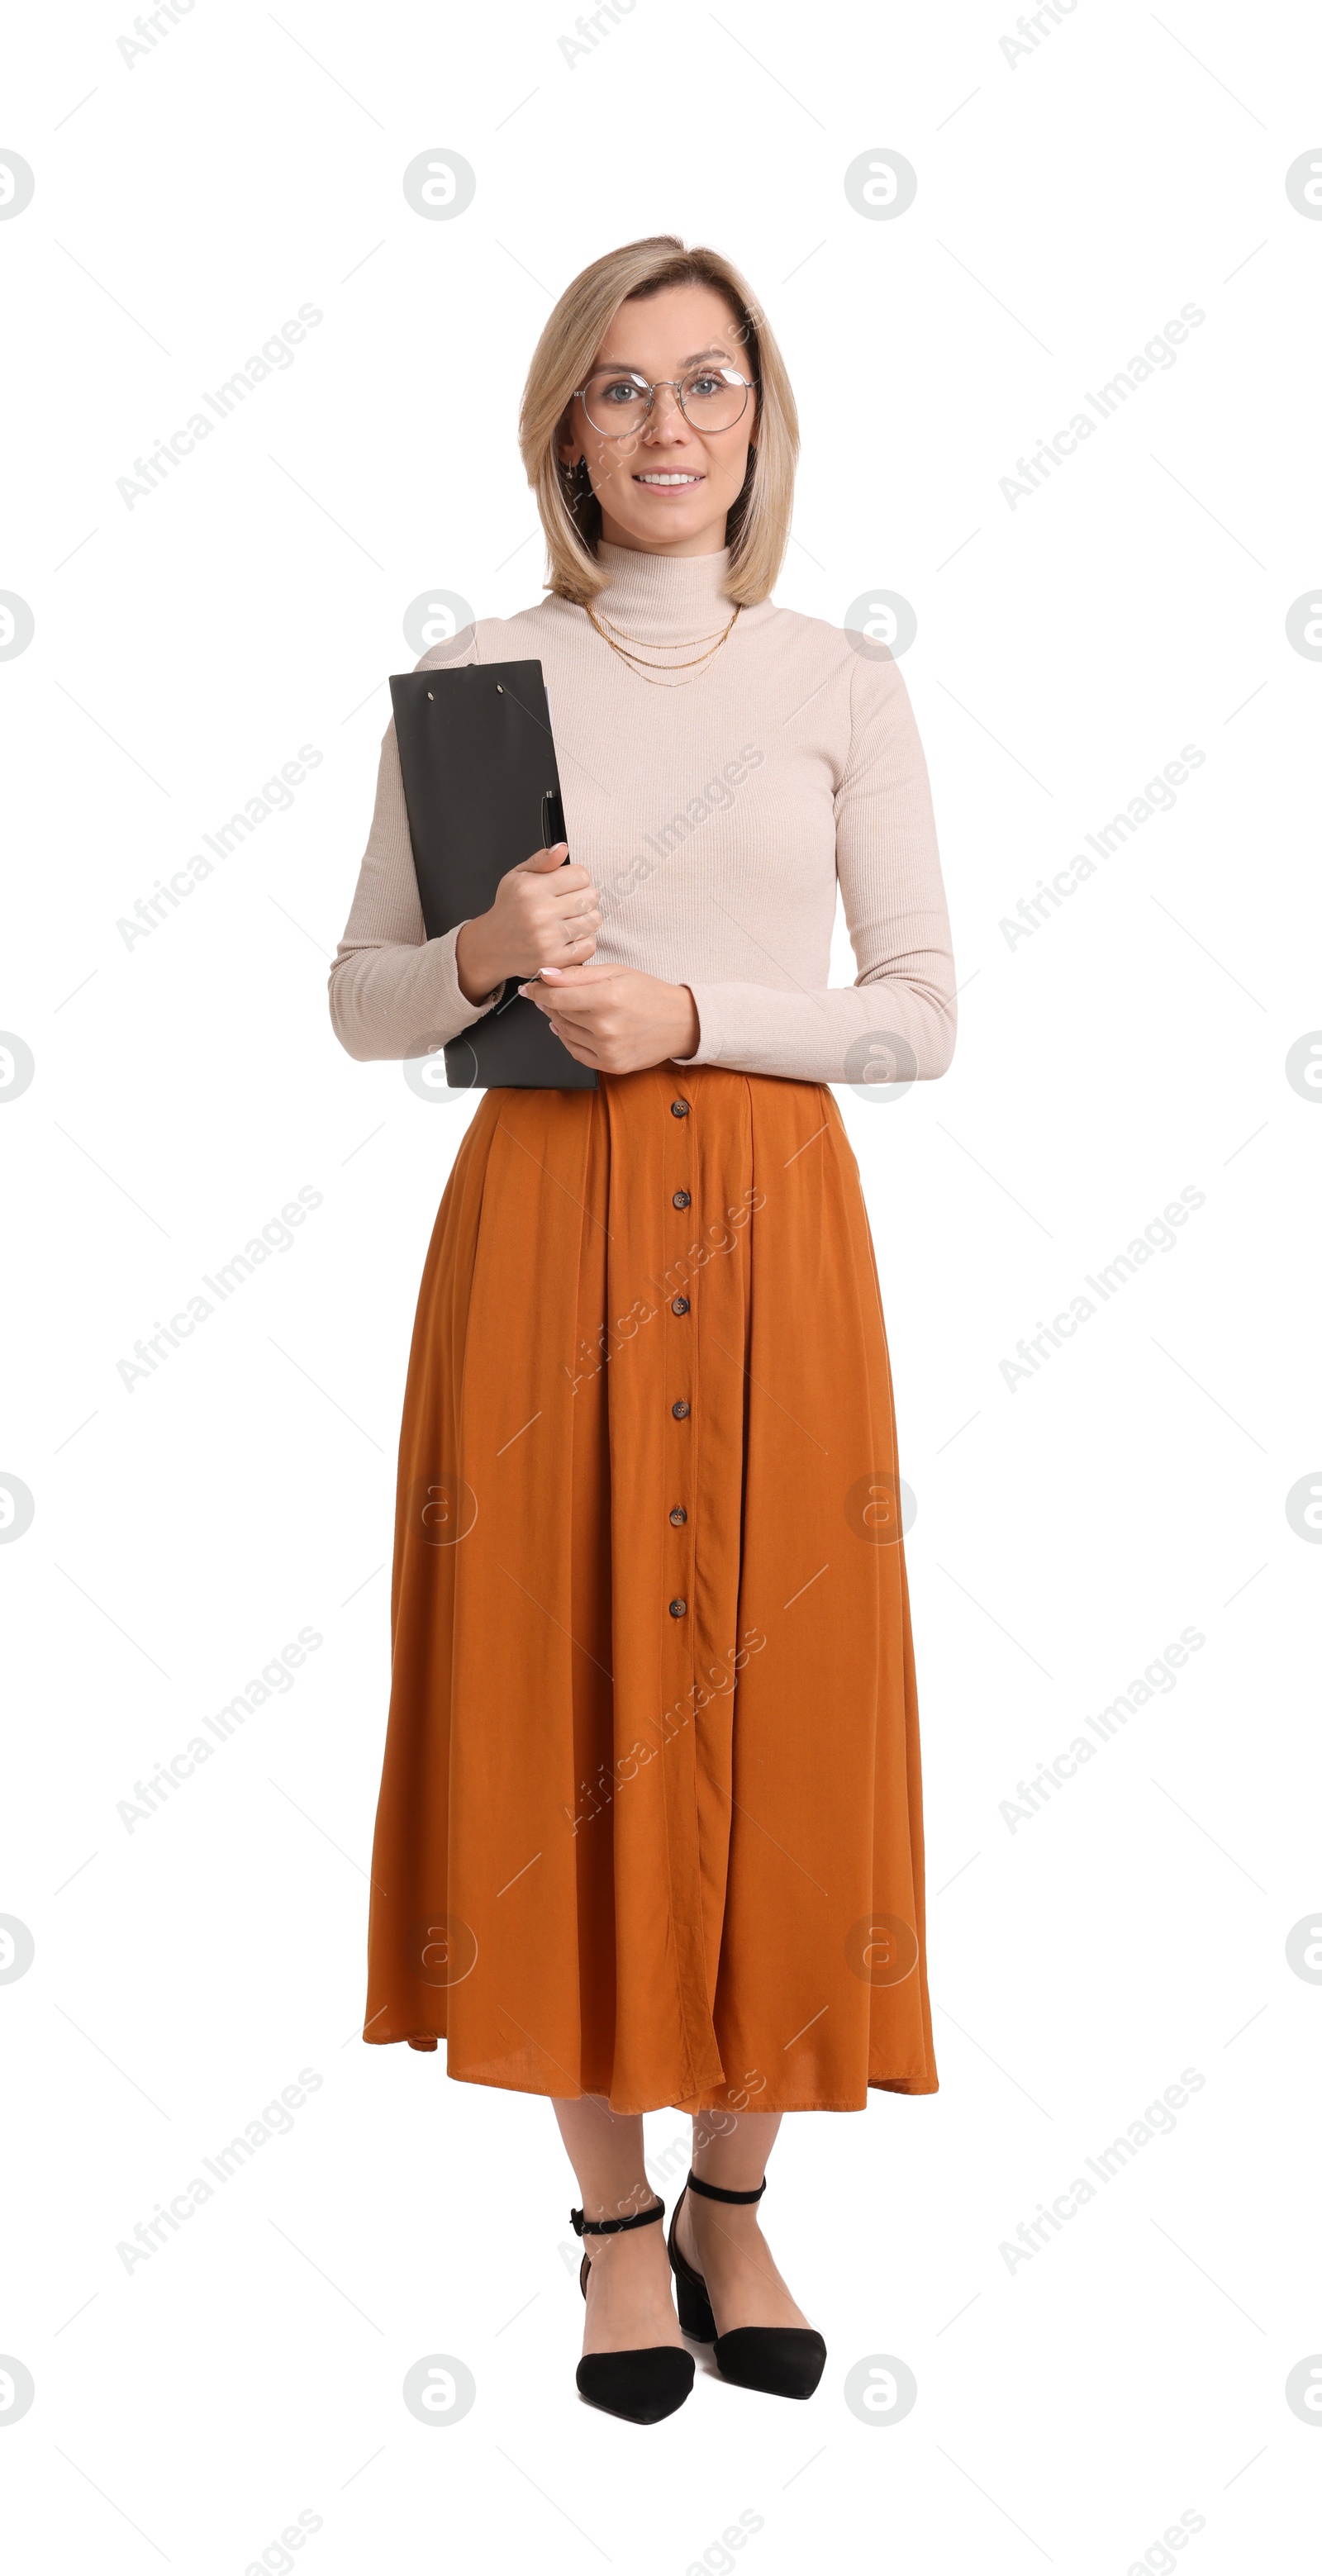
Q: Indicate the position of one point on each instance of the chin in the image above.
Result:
(672, 521)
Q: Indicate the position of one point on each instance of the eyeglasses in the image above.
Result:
(618, 402)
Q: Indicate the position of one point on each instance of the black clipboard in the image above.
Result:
(482, 791)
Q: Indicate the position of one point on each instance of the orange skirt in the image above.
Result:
(650, 1822)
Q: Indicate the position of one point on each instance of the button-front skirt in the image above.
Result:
(650, 1822)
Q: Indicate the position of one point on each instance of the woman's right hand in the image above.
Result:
(544, 914)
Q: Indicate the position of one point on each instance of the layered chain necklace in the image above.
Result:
(637, 663)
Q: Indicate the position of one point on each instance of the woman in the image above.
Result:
(650, 1826)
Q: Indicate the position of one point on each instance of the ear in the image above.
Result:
(568, 448)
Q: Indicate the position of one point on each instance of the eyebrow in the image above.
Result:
(692, 361)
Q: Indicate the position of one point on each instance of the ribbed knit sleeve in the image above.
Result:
(392, 988)
(897, 1021)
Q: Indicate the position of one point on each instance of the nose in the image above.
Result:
(667, 412)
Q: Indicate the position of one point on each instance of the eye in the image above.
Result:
(616, 389)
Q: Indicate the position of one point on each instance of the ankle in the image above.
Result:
(739, 2213)
(714, 2215)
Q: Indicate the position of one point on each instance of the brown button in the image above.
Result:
(679, 1305)
(678, 1516)
(677, 1609)
(679, 1109)
(680, 1199)
(679, 1410)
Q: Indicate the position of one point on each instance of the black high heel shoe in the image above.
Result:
(783, 2361)
(642, 2385)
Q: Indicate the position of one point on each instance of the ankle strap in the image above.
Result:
(615, 2226)
(711, 2191)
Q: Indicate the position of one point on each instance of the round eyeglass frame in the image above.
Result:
(676, 384)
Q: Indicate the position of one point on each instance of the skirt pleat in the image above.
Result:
(650, 1822)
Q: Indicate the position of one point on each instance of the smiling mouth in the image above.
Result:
(659, 482)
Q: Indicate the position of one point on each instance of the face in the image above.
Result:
(661, 337)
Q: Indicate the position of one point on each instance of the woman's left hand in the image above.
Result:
(614, 1018)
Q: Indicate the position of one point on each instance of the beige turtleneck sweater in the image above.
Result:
(717, 810)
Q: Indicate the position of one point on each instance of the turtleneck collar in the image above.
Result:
(664, 599)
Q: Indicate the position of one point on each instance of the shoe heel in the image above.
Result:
(695, 2312)
(691, 2301)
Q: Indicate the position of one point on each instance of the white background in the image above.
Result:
(1068, 205)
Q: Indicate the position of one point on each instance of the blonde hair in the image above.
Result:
(758, 524)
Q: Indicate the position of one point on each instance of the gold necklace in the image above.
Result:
(636, 662)
(680, 642)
